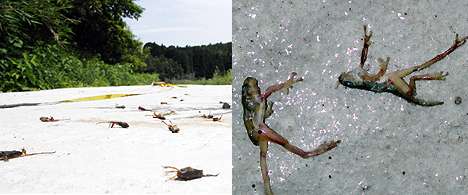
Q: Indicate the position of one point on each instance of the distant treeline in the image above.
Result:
(190, 62)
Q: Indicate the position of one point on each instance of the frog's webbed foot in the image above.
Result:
(325, 147)
(459, 41)
(292, 79)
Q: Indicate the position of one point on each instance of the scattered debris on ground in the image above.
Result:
(218, 118)
(186, 174)
(159, 115)
(120, 106)
(50, 119)
(119, 123)
(163, 102)
(209, 116)
(173, 128)
(225, 105)
(143, 109)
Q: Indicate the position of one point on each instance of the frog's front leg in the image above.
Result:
(383, 64)
(283, 85)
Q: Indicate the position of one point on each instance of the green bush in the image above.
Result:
(51, 66)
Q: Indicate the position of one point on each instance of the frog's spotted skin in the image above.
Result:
(393, 82)
(256, 109)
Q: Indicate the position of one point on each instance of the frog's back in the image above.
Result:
(251, 131)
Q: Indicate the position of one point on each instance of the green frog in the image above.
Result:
(256, 109)
(393, 82)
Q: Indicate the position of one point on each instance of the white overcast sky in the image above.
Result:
(183, 22)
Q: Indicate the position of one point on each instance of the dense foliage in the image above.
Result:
(48, 44)
(199, 62)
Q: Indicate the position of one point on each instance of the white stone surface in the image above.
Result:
(92, 158)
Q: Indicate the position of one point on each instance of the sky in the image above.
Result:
(183, 22)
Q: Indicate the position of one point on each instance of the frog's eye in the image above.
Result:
(348, 83)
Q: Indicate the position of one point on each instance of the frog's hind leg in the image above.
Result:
(434, 76)
(457, 43)
(263, 166)
(266, 133)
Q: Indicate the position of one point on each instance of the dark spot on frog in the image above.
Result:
(458, 100)
(329, 176)
(403, 172)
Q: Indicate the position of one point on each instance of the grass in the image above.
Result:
(218, 79)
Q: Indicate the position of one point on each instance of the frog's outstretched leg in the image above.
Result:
(263, 166)
(282, 86)
(365, 48)
(456, 43)
(434, 76)
(396, 78)
(269, 134)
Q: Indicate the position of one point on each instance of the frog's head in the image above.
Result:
(351, 79)
(250, 87)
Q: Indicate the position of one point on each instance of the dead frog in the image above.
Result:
(256, 109)
(393, 82)
(50, 119)
(187, 173)
(7, 155)
(113, 123)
